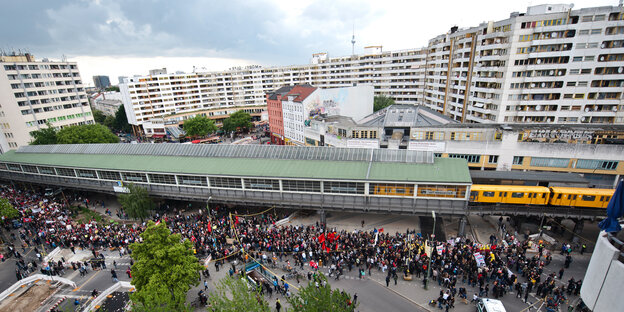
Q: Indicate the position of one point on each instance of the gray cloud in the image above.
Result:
(257, 30)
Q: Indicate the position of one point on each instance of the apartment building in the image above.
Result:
(33, 93)
(149, 100)
(552, 64)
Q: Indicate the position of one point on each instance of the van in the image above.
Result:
(490, 305)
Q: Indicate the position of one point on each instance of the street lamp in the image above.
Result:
(431, 252)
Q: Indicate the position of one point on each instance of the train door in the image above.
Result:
(574, 200)
(474, 196)
(503, 197)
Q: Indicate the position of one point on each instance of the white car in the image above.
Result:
(490, 305)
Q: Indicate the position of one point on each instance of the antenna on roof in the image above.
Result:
(353, 41)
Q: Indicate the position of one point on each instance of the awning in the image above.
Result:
(158, 135)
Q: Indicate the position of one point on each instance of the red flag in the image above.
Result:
(236, 220)
(381, 230)
(158, 222)
(209, 227)
(321, 238)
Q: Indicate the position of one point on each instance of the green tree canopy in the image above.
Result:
(121, 121)
(137, 202)
(44, 136)
(381, 102)
(98, 116)
(85, 134)
(112, 88)
(233, 295)
(240, 119)
(164, 270)
(199, 126)
(7, 211)
(323, 298)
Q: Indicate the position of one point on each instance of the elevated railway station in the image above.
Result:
(343, 179)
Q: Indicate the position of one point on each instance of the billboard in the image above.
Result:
(426, 146)
(355, 102)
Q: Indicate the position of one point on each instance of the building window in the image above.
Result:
(493, 159)
(343, 187)
(301, 186)
(596, 164)
(468, 157)
(518, 160)
(66, 172)
(31, 169)
(82, 173)
(134, 177)
(262, 184)
(225, 182)
(47, 170)
(109, 175)
(550, 162)
(162, 178)
(192, 180)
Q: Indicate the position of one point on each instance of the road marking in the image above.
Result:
(90, 278)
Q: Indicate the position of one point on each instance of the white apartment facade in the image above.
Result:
(552, 64)
(398, 74)
(549, 65)
(33, 93)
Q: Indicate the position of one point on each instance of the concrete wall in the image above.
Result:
(602, 285)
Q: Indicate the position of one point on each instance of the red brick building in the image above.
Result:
(276, 119)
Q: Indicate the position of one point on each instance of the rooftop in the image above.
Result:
(402, 115)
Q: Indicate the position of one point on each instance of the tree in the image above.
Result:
(7, 211)
(86, 134)
(137, 202)
(121, 121)
(164, 270)
(240, 119)
(98, 116)
(233, 295)
(112, 88)
(46, 135)
(323, 298)
(381, 102)
(199, 126)
(109, 121)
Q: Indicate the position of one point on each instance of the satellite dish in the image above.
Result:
(602, 58)
(587, 110)
(614, 108)
(538, 107)
(552, 72)
(533, 85)
(538, 61)
(543, 84)
(620, 70)
(560, 72)
(583, 118)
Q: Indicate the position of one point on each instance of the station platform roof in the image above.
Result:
(251, 161)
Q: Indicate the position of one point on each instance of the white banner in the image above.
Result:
(426, 146)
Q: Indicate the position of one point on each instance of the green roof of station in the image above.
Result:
(442, 170)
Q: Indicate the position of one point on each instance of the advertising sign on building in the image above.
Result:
(355, 143)
(426, 146)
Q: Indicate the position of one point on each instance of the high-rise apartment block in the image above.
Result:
(101, 82)
(35, 93)
(551, 64)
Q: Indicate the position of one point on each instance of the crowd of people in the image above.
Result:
(492, 269)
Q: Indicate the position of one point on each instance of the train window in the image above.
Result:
(573, 197)
(559, 196)
(608, 198)
(543, 195)
(602, 198)
(589, 197)
(399, 190)
(517, 194)
(500, 194)
(489, 194)
(474, 193)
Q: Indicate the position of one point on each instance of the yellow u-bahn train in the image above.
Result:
(540, 195)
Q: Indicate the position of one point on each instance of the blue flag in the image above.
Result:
(615, 209)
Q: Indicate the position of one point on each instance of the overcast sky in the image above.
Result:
(127, 37)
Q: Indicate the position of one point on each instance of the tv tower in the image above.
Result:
(353, 41)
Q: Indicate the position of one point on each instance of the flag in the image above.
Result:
(615, 209)
(236, 220)
(321, 238)
(381, 230)
(209, 227)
